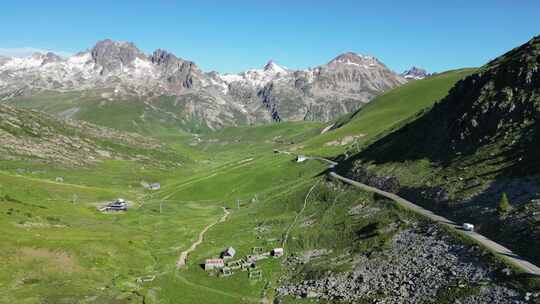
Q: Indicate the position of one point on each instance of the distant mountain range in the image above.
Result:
(119, 69)
(415, 73)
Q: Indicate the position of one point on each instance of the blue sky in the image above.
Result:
(230, 36)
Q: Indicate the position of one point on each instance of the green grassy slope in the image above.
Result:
(384, 113)
(60, 251)
(97, 258)
(158, 117)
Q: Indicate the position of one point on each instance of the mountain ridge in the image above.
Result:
(415, 73)
(272, 93)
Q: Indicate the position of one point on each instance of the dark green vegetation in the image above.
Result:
(504, 205)
(477, 143)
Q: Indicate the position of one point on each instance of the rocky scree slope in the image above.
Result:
(273, 93)
(421, 265)
(34, 136)
(353, 247)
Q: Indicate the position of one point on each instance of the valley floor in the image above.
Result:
(55, 237)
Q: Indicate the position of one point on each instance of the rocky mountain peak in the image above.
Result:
(51, 57)
(498, 105)
(162, 57)
(352, 59)
(172, 64)
(272, 92)
(3, 60)
(108, 43)
(501, 98)
(272, 66)
(525, 56)
(113, 55)
(415, 73)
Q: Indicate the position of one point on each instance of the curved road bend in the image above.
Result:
(496, 248)
(491, 245)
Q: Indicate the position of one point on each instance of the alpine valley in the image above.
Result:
(133, 178)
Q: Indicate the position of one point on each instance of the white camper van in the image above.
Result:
(468, 227)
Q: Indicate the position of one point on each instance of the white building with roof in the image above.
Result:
(228, 253)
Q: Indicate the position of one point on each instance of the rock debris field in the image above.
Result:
(421, 264)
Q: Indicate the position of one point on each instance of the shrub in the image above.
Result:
(504, 205)
(10, 199)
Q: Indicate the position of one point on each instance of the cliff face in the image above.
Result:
(341, 86)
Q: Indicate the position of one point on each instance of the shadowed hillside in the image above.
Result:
(477, 143)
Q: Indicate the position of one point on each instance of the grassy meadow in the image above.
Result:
(57, 248)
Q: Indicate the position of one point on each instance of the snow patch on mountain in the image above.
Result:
(274, 68)
(415, 73)
(17, 63)
(272, 92)
(258, 77)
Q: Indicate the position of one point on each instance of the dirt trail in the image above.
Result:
(183, 256)
(298, 215)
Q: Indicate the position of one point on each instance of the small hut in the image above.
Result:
(229, 253)
(118, 205)
(301, 158)
(277, 252)
(154, 186)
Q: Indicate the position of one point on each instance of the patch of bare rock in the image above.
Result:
(422, 264)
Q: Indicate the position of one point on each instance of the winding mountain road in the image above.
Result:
(496, 248)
